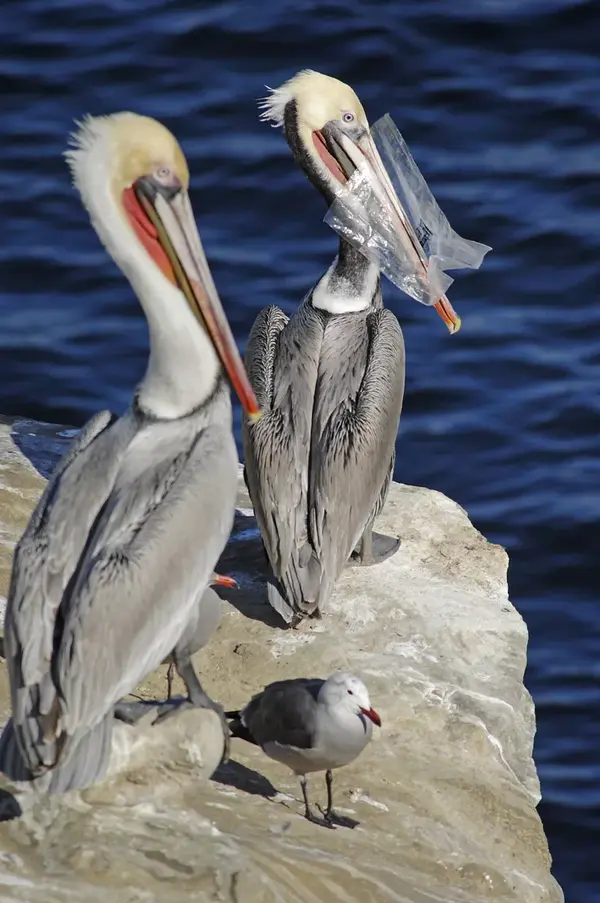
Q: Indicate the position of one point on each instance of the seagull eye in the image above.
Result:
(350, 693)
(348, 117)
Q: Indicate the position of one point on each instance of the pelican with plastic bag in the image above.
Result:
(330, 379)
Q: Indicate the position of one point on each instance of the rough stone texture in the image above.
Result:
(445, 794)
(193, 739)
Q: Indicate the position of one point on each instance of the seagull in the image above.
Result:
(310, 724)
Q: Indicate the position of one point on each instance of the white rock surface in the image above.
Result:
(445, 794)
(193, 740)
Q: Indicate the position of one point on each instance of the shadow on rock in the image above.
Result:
(234, 774)
(9, 806)
(43, 444)
(244, 559)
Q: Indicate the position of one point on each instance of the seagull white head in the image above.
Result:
(133, 179)
(344, 691)
(328, 132)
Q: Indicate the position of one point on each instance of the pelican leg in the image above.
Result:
(309, 815)
(170, 681)
(330, 814)
(197, 697)
(373, 548)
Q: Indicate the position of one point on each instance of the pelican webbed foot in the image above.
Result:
(373, 548)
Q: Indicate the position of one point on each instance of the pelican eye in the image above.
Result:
(162, 180)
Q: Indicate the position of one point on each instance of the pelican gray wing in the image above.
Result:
(261, 352)
(177, 512)
(353, 438)
(150, 487)
(259, 360)
(45, 561)
(282, 362)
(384, 489)
(319, 462)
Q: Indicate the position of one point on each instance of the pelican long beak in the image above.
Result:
(350, 153)
(186, 265)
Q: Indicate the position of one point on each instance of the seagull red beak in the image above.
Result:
(372, 714)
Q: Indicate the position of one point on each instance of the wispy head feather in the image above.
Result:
(318, 98)
(273, 106)
(120, 147)
(90, 132)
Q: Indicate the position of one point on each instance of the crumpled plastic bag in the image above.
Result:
(387, 212)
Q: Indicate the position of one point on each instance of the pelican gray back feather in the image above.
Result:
(319, 462)
(93, 607)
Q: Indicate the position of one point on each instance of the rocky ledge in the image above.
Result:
(446, 794)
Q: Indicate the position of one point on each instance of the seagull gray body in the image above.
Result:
(330, 381)
(309, 725)
(122, 544)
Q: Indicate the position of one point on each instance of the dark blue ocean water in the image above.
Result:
(499, 101)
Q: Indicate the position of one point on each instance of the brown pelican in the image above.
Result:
(204, 622)
(330, 380)
(310, 725)
(107, 574)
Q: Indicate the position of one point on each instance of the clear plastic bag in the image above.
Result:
(387, 211)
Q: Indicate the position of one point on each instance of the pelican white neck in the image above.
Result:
(183, 366)
(348, 286)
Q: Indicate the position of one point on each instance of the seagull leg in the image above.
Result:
(330, 814)
(373, 548)
(308, 813)
(329, 784)
(197, 697)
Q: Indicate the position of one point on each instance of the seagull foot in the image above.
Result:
(373, 549)
(341, 821)
(316, 820)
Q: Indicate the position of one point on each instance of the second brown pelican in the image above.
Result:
(330, 380)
